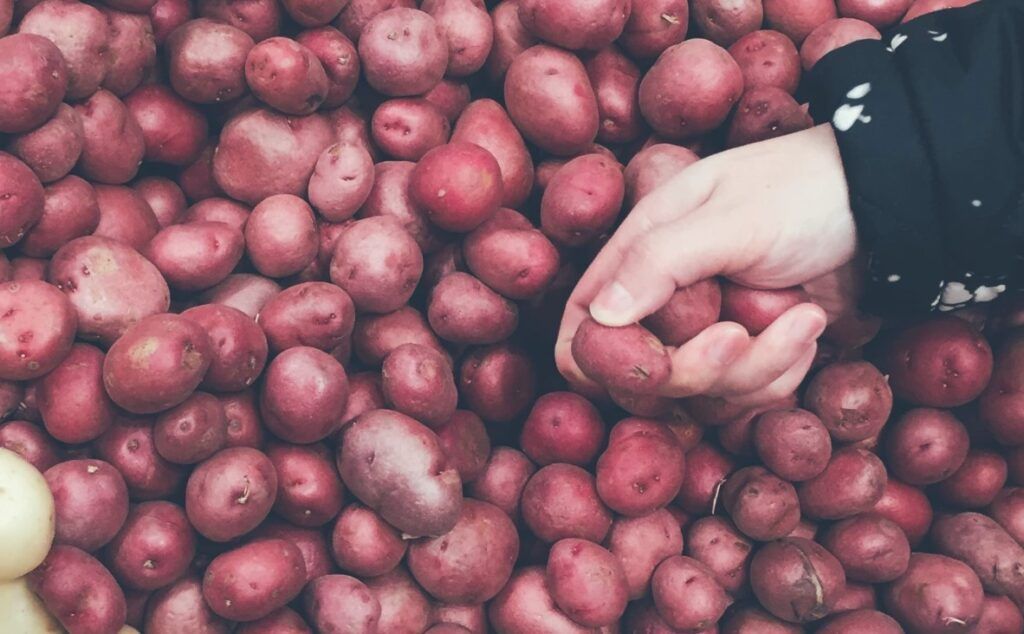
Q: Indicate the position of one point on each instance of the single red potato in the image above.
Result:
(498, 382)
(852, 483)
(871, 548)
(977, 482)
(239, 347)
(715, 542)
(338, 56)
(24, 199)
(834, 34)
(561, 501)
(154, 548)
(796, 579)
(90, 502)
(756, 309)
(458, 185)
(792, 443)
(403, 52)
(502, 480)
(52, 149)
(642, 468)
(562, 427)
(686, 594)
(583, 200)
(231, 493)
(926, 446)
(71, 399)
(339, 603)
(79, 591)
(767, 58)
(587, 582)
(130, 449)
(641, 543)
(252, 581)
(936, 593)
(797, 18)
(509, 254)
(852, 399)
(485, 122)
(192, 431)
(762, 506)
(363, 544)
(304, 392)
(566, 24)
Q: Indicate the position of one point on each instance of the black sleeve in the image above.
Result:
(930, 125)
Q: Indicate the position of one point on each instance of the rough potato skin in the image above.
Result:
(793, 443)
(525, 605)
(471, 562)
(37, 331)
(653, 26)
(231, 493)
(574, 24)
(853, 400)
(981, 543)
(583, 200)
(725, 21)
(834, 34)
(796, 579)
(512, 256)
(80, 32)
(79, 591)
(561, 501)
(252, 581)
(395, 465)
(766, 112)
(206, 61)
(30, 60)
(762, 506)
(403, 52)
(341, 182)
(641, 543)
(767, 58)
(871, 548)
(853, 482)
(240, 347)
(690, 89)
(629, 358)
(341, 604)
(418, 381)
(551, 100)
(935, 594)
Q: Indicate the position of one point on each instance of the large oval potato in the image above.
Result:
(485, 122)
(396, 466)
(30, 60)
(253, 580)
(571, 24)
(27, 523)
(79, 591)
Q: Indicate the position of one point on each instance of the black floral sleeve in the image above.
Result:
(930, 125)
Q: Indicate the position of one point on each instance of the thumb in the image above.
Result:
(670, 256)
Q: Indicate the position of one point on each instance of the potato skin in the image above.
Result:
(511, 256)
(562, 427)
(510, 38)
(797, 18)
(71, 399)
(583, 200)
(706, 467)
(724, 22)
(796, 579)
(616, 80)
(363, 544)
(283, 621)
(871, 548)
(503, 479)
(767, 58)
(640, 544)
(629, 358)
(286, 75)
(688, 312)
(340, 61)
(79, 591)
(853, 400)
(981, 543)
(642, 468)
(314, 314)
(690, 89)
(24, 199)
(240, 353)
(181, 605)
(998, 406)
(400, 483)
(113, 144)
(253, 580)
(654, 26)
(30, 442)
(485, 123)
(762, 506)
(375, 336)
(766, 112)
(716, 543)
(341, 181)
(206, 61)
(525, 605)
(864, 620)
(154, 547)
(342, 604)
(587, 582)
(473, 561)
(405, 609)
(378, 263)
(557, 111)
(561, 501)
(129, 448)
(926, 446)
(229, 494)
(977, 482)
(834, 34)
(389, 197)
(310, 492)
(852, 483)
(192, 431)
(686, 594)
(90, 502)
(569, 25)
(408, 64)
(792, 443)
(933, 590)
(196, 255)
(31, 60)
(461, 309)
(125, 216)
(38, 331)
(53, 148)
(281, 236)
(80, 32)
(173, 130)
(1000, 615)
(303, 393)
(70, 210)
(458, 185)
(498, 383)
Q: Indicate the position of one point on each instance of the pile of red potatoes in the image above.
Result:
(280, 287)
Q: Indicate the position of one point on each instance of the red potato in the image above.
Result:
(314, 314)
(643, 616)
(417, 381)
(447, 628)
(1007, 510)
(690, 89)
(196, 180)
(156, 364)
(90, 501)
(375, 336)
(259, 19)
(525, 605)
(311, 542)
(923, 7)
(756, 309)
(616, 80)
(131, 49)
(641, 543)
(389, 196)
(81, 34)
(706, 470)
(304, 390)
(473, 618)
(725, 22)
(834, 34)
(310, 492)
(852, 483)
(642, 468)
(229, 494)
(561, 501)
(498, 383)
(587, 582)
(245, 429)
(466, 444)
(467, 30)
(485, 123)
(878, 13)
(942, 362)
(852, 399)
(239, 347)
(999, 615)
(936, 594)
(406, 129)
(30, 442)
(583, 200)
(450, 97)
(458, 186)
(408, 481)
(797, 18)
(109, 285)
(167, 15)
(173, 130)
(181, 605)
(206, 60)
(71, 399)
(796, 579)
(341, 181)
(340, 61)
(715, 542)
(403, 52)
(926, 446)
(510, 38)
(364, 544)
(354, 17)
(286, 75)
(686, 594)
(655, 26)
(871, 548)
(38, 331)
(767, 58)
(252, 581)
(192, 431)
(32, 60)
(262, 153)
(629, 358)
(378, 263)
(125, 216)
(404, 608)
(23, 269)
(461, 309)
(766, 112)
(472, 562)
(53, 148)
(364, 394)
(981, 543)
(130, 449)
(341, 604)
(762, 506)
(749, 619)
(562, 427)
(999, 405)
(281, 236)
(154, 548)
(23, 201)
(792, 443)
(567, 24)
(313, 12)
(977, 482)
(551, 101)
(856, 596)
(864, 620)
(113, 144)
(689, 311)
(283, 621)
(512, 256)
(217, 209)
(164, 197)
(196, 255)
(79, 591)
(503, 479)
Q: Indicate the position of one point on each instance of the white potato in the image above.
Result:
(127, 629)
(23, 612)
(26, 519)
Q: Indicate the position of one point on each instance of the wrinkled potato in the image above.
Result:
(629, 358)
(796, 579)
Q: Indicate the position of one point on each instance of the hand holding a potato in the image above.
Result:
(771, 215)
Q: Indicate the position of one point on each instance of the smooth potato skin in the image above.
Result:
(458, 185)
(878, 13)
(341, 604)
(511, 256)
(583, 200)
(197, 255)
(281, 236)
(797, 18)
(38, 331)
(363, 544)
(485, 123)
(70, 210)
(81, 34)
(125, 216)
(525, 605)
(641, 543)
(767, 58)
(341, 181)
(354, 17)
(629, 358)
(90, 502)
(173, 130)
(28, 61)
(192, 431)
(792, 443)
(340, 61)
(403, 52)
(154, 547)
(23, 199)
(252, 581)
(132, 49)
(750, 619)
(30, 442)
(834, 34)
(864, 620)
(286, 76)
(79, 591)
(871, 548)
(706, 467)
(550, 99)
(561, 501)
(304, 390)
(407, 128)
(654, 26)
(378, 263)
(229, 494)
(240, 347)
(853, 482)
(724, 22)
(998, 406)
(283, 621)
(510, 38)
(314, 314)
(130, 449)
(502, 480)
(977, 482)
(796, 579)
(926, 446)
(1000, 615)
(71, 399)
(181, 605)
(562, 427)
(616, 80)
(462, 309)
(981, 543)
(587, 582)
(390, 197)
(53, 148)
(310, 492)
(375, 336)
(467, 30)
(167, 15)
(206, 61)
(497, 382)
(113, 144)
(688, 312)
(642, 468)
(408, 482)
(571, 25)
(933, 590)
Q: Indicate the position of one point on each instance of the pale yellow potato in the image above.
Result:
(23, 612)
(26, 523)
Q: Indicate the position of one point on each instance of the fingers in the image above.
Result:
(700, 363)
(782, 386)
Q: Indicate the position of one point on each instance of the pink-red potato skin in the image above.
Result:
(450, 97)
(616, 79)
(458, 186)
(999, 615)
(23, 199)
(471, 562)
(364, 394)
(378, 263)
(314, 314)
(999, 405)
(792, 443)
(796, 579)
(167, 15)
(340, 61)
(852, 483)
(688, 312)
(570, 24)
(471, 617)
(90, 501)
(30, 442)
(834, 34)
(192, 431)
(403, 52)
(977, 482)
(924, 7)
(69, 211)
(926, 446)
(906, 506)
(587, 582)
(762, 506)
(408, 482)
(197, 255)
(310, 492)
(583, 200)
(465, 441)
(231, 493)
(154, 547)
(871, 548)
(125, 216)
(935, 594)
(286, 75)
(486, 123)
(766, 112)
(245, 428)
(724, 22)
(654, 26)
(79, 591)
(503, 479)
(390, 197)
(551, 100)
(715, 542)
(750, 619)
(52, 149)
(1007, 509)
(852, 399)
(642, 468)
(38, 331)
(462, 309)
(303, 392)
(182, 606)
(467, 30)
(404, 608)
(375, 336)
(878, 13)
(363, 544)
(797, 18)
(512, 256)
(686, 594)
(756, 309)
(281, 235)
(980, 542)
(216, 209)
(206, 61)
(113, 144)
(311, 542)
(690, 90)
(130, 449)
(164, 197)
(629, 358)
(260, 19)
(561, 501)
(253, 580)
(173, 130)
(767, 58)
(510, 38)
(863, 620)
(498, 383)
(341, 604)
(71, 399)
(341, 181)
(283, 621)
(406, 129)
(525, 605)
(239, 347)
(562, 427)
(706, 469)
(131, 49)
(28, 59)
(418, 382)
(641, 543)
(81, 33)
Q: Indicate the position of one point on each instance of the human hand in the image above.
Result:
(770, 215)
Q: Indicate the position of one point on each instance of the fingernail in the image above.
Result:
(611, 303)
(807, 329)
(727, 351)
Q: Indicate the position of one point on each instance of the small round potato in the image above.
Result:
(498, 383)
(512, 256)
(571, 24)
(389, 196)
(642, 468)
(687, 595)
(653, 26)
(339, 603)
(30, 442)
(231, 493)
(113, 144)
(130, 449)
(253, 580)
(403, 52)
(240, 347)
(70, 210)
(131, 46)
(71, 399)
(52, 149)
(767, 58)
(408, 128)
(37, 331)
(706, 471)
(418, 381)
(503, 478)
(796, 579)
(154, 548)
(29, 60)
(173, 130)
(852, 399)
(926, 446)
(286, 76)
(583, 200)
(206, 61)
(315, 314)
(465, 441)
(341, 181)
(871, 548)
(364, 544)
(716, 543)
(125, 216)
(81, 33)
(561, 501)
(934, 593)
(724, 22)
(468, 31)
(280, 236)
(259, 19)
(375, 336)
(378, 263)
(766, 112)
(852, 483)
(834, 34)
(463, 310)
(310, 492)
(797, 18)
(762, 506)
(196, 255)
(563, 427)
(192, 431)
(629, 358)
(338, 56)
(79, 590)
(793, 443)
(510, 39)
(587, 582)
(90, 501)
(304, 392)
(458, 185)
